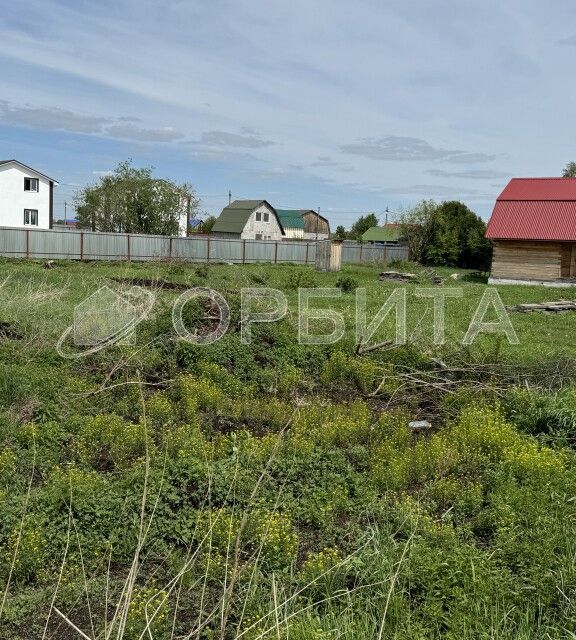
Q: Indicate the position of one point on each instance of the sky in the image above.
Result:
(352, 107)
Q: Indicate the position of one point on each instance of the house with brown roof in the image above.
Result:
(533, 226)
(316, 227)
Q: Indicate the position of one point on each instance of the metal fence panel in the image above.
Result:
(13, 243)
(222, 250)
(261, 251)
(49, 244)
(105, 246)
(149, 247)
(88, 245)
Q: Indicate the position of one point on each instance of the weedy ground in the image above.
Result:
(274, 490)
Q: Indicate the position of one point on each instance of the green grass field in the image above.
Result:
(168, 490)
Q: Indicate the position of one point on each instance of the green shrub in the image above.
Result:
(301, 280)
(347, 284)
(341, 370)
(106, 441)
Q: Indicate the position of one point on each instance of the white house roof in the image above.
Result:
(25, 166)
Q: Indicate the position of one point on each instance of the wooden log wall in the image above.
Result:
(528, 260)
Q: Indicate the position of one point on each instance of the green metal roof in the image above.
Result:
(387, 233)
(234, 217)
(290, 218)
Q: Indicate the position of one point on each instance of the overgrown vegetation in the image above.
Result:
(448, 233)
(275, 490)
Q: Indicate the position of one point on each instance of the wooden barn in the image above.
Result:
(316, 227)
(533, 227)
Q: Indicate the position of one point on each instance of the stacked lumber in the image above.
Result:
(550, 307)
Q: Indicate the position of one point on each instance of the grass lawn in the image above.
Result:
(43, 300)
(168, 490)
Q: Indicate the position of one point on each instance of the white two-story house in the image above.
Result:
(26, 196)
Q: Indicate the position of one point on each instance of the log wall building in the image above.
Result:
(533, 227)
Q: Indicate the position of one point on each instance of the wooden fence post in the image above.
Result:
(170, 249)
(208, 250)
(385, 254)
(27, 243)
(128, 245)
(81, 245)
(276, 252)
(244, 252)
(306, 257)
(361, 247)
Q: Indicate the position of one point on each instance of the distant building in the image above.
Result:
(67, 224)
(533, 227)
(388, 234)
(292, 222)
(315, 225)
(249, 220)
(27, 196)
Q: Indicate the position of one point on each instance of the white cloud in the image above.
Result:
(249, 139)
(407, 149)
(130, 131)
(51, 118)
(474, 174)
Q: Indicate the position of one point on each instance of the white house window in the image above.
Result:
(30, 184)
(266, 217)
(258, 216)
(31, 217)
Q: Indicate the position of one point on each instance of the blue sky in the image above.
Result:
(348, 106)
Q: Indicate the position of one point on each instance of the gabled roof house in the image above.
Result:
(27, 196)
(533, 226)
(388, 234)
(249, 220)
(292, 222)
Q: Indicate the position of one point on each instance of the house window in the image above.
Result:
(266, 217)
(30, 184)
(258, 216)
(258, 236)
(31, 217)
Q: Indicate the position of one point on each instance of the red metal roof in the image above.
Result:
(535, 209)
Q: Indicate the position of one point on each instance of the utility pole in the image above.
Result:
(229, 197)
(317, 223)
(65, 214)
(386, 218)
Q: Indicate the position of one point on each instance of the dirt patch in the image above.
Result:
(9, 332)
(154, 284)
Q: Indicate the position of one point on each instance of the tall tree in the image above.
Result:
(208, 224)
(447, 234)
(340, 233)
(132, 200)
(363, 224)
(417, 228)
(569, 170)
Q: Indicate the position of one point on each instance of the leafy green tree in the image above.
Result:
(340, 233)
(132, 200)
(208, 224)
(417, 228)
(569, 170)
(447, 234)
(362, 225)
